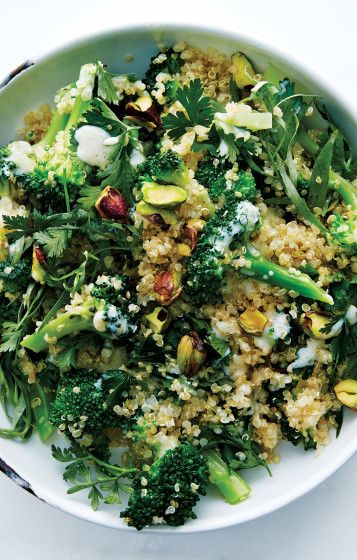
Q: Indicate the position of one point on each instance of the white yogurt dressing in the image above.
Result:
(351, 315)
(92, 147)
(306, 356)
(247, 217)
(278, 328)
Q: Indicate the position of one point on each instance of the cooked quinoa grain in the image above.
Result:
(186, 287)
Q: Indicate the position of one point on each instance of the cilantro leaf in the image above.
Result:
(10, 337)
(54, 241)
(106, 88)
(197, 107)
(100, 115)
(118, 172)
(89, 196)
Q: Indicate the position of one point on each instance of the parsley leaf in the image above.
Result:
(106, 88)
(100, 115)
(118, 172)
(89, 196)
(197, 107)
(84, 470)
(54, 241)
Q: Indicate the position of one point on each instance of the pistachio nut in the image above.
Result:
(38, 268)
(169, 217)
(252, 321)
(163, 196)
(346, 392)
(159, 319)
(144, 110)
(314, 323)
(111, 205)
(183, 249)
(191, 230)
(242, 70)
(191, 353)
(167, 287)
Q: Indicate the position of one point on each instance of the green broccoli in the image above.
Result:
(169, 489)
(14, 278)
(344, 231)
(166, 167)
(211, 174)
(80, 406)
(220, 243)
(171, 89)
(170, 64)
(105, 307)
(233, 488)
(29, 155)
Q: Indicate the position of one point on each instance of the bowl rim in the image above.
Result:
(316, 79)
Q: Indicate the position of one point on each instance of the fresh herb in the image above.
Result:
(106, 88)
(84, 471)
(197, 110)
(319, 182)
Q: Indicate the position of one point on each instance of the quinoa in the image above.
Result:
(204, 314)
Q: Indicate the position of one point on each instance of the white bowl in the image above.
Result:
(30, 463)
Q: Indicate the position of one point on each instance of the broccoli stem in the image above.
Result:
(62, 326)
(346, 190)
(267, 271)
(232, 487)
(79, 108)
(58, 122)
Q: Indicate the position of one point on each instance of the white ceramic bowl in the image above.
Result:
(30, 463)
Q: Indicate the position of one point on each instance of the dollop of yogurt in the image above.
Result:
(92, 147)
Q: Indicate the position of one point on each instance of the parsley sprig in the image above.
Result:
(197, 110)
(85, 471)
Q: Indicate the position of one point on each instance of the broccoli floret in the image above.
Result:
(14, 278)
(52, 162)
(167, 167)
(224, 238)
(80, 405)
(213, 176)
(172, 487)
(344, 231)
(171, 88)
(170, 65)
(105, 307)
(233, 488)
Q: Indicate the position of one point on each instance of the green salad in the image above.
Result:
(177, 280)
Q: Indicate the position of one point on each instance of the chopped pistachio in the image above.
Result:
(147, 210)
(167, 287)
(314, 323)
(346, 392)
(191, 353)
(243, 71)
(252, 321)
(163, 196)
(183, 249)
(159, 319)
